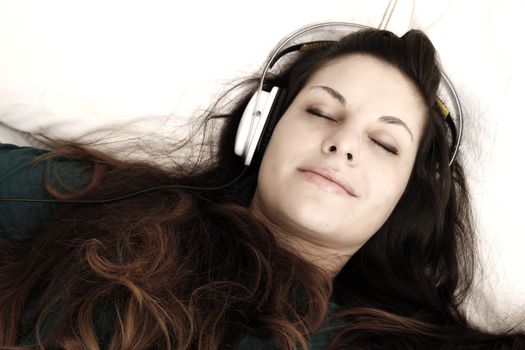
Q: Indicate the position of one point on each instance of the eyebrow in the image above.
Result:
(335, 94)
(386, 119)
(396, 121)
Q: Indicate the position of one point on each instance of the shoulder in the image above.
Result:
(318, 340)
(21, 178)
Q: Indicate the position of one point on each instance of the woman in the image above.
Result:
(278, 258)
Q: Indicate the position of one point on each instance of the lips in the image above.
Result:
(328, 179)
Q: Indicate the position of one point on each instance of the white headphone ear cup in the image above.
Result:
(243, 130)
(252, 124)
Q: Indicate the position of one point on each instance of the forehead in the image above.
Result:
(364, 68)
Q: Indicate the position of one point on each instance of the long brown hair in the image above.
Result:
(194, 269)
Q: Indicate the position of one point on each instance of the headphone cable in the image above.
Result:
(125, 196)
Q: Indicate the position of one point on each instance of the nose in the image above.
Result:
(344, 143)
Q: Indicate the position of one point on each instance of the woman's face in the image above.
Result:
(368, 137)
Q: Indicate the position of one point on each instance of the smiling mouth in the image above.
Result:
(324, 183)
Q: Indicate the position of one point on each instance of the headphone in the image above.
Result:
(264, 109)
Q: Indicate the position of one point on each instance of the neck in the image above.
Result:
(326, 258)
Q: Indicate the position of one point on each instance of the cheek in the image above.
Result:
(387, 189)
(289, 142)
(277, 158)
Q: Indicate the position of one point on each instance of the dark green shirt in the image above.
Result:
(19, 179)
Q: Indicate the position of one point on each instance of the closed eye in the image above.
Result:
(318, 113)
(385, 147)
